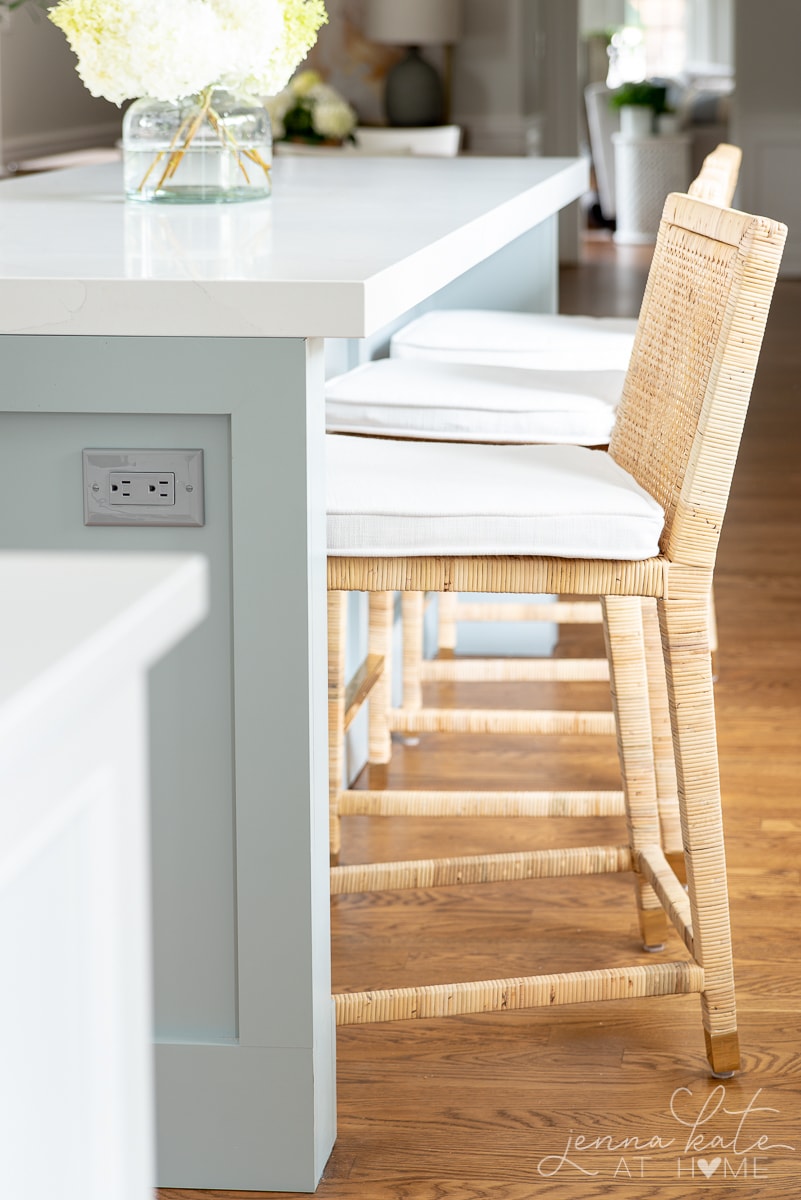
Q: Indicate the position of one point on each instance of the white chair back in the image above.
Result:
(602, 122)
(434, 141)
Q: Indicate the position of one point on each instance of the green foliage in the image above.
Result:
(299, 122)
(642, 95)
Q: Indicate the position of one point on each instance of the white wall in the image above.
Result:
(597, 15)
(44, 107)
(515, 84)
(767, 115)
(497, 94)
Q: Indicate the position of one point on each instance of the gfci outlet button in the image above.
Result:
(143, 487)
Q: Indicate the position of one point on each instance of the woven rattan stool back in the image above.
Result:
(684, 402)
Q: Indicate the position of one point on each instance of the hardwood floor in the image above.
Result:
(613, 1099)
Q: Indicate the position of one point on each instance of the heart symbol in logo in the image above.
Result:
(709, 1168)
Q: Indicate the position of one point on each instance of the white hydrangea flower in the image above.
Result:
(252, 30)
(304, 83)
(323, 93)
(333, 118)
(130, 48)
(278, 106)
(169, 49)
(302, 21)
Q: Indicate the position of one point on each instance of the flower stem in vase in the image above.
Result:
(175, 158)
(228, 139)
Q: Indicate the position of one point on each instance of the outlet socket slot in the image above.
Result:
(141, 487)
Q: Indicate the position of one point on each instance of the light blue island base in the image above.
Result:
(245, 1043)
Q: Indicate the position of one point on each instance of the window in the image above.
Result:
(664, 30)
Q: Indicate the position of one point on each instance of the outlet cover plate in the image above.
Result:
(185, 465)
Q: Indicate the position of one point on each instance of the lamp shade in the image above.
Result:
(414, 22)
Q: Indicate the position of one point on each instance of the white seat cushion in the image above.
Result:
(512, 339)
(404, 397)
(392, 499)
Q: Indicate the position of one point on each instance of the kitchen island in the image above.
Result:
(136, 328)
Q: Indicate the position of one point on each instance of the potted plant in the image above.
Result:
(638, 103)
(309, 110)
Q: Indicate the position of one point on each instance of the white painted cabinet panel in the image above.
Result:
(76, 637)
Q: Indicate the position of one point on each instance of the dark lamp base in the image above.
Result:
(414, 94)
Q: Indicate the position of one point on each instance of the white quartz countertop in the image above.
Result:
(342, 247)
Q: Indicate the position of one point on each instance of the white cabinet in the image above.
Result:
(77, 633)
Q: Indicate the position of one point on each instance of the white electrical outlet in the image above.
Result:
(143, 487)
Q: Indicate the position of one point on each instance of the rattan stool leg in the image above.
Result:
(337, 623)
(628, 678)
(446, 623)
(412, 614)
(412, 607)
(685, 635)
(379, 637)
(664, 762)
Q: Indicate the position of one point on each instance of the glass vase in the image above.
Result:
(213, 148)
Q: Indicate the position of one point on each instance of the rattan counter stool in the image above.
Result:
(641, 521)
(599, 343)
(455, 402)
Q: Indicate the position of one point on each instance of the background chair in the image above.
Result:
(669, 466)
(434, 141)
(603, 122)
